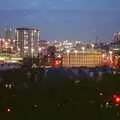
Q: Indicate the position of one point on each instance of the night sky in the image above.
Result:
(64, 19)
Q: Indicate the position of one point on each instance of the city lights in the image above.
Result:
(18, 49)
(32, 50)
(92, 45)
(76, 51)
(68, 51)
(83, 48)
(26, 47)
(14, 40)
(59, 56)
(8, 110)
(6, 43)
(103, 55)
(110, 52)
(26, 42)
(39, 49)
(11, 47)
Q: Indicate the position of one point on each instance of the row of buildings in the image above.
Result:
(26, 42)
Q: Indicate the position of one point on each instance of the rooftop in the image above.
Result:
(27, 29)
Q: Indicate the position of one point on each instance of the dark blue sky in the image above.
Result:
(64, 19)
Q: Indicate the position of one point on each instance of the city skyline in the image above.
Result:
(65, 19)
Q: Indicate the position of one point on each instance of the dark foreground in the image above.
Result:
(57, 97)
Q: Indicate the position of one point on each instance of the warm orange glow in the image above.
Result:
(89, 59)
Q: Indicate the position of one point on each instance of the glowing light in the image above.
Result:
(6, 43)
(68, 51)
(83, 48)
(117, 100)
(8, 110)
(103, 55)
(39, 49)
(110, 52)
(35, 106)
(76, 51)
(18, 49)
(9, 40)
(101, 94)
(26, 47)
(56, 62)
(92, 45)
(59, 56)
(32, 50)
(14, 40)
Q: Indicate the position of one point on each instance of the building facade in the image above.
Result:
(27, 41)
(43, 44)
(10, 33)
(80, 59)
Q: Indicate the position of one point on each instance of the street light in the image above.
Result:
(68, 51)
(11, 48)
(83, 48)
(26, 47)
(59, 56)
(39, 49)
(14, 41)
(76, 51)
(9, 40)
(110, 52)
(92, 45)
(18, 49)
(6, 43)
(32, 50)
(103, 55)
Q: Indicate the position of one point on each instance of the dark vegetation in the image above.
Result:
(56, 97)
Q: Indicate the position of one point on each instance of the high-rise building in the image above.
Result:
(27, 41)
(10, 34)
(116, 37)
(10, 37)
(115, 44)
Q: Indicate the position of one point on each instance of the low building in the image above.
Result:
(80, 59)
